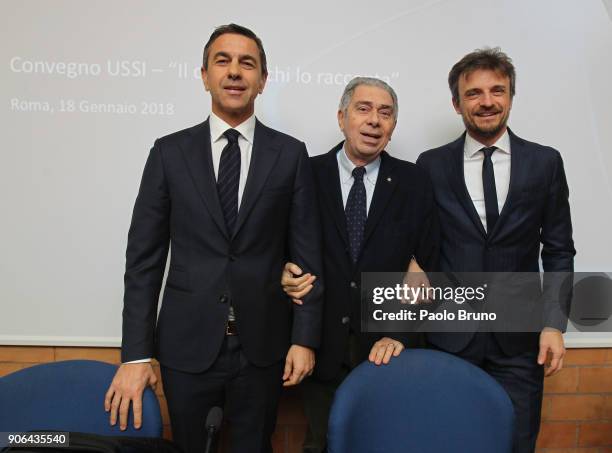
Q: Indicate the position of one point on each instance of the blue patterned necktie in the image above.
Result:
(229, 178)
(356, 213)
(490, 192)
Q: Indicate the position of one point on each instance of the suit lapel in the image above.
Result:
(383, 190)
(332, 193)
(198, 155)
(456, 176)
(263, 157)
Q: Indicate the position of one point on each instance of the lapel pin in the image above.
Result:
(389, 179)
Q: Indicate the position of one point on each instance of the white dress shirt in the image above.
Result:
(245, 142)
(217, 143)
(472, 172)
(345, 167)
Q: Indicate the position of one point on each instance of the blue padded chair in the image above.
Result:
(68, 396)
(423, 402)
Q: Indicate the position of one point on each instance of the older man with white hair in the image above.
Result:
(378, 215)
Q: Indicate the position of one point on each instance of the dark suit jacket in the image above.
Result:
(401, 222)
(178, 206)
(536, 212)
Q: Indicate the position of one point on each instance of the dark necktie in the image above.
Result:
(228, 179)
(490, 192)
(356, 213)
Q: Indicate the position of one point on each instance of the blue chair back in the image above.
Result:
(423, 401)
(68, 396)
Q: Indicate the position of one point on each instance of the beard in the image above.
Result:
(488, 132)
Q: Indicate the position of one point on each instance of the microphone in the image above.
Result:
(213, 422)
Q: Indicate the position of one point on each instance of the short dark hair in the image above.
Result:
(237, 30)
(488, 58)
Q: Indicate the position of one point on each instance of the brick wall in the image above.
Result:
(577, 406)
(576, 413)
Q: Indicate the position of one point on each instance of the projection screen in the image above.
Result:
(87, 86)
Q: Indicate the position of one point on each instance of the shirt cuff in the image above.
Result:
(148, 360)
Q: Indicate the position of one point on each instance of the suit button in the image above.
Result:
(346, 320)
(224, 299)
(232, 257)
(353, 285)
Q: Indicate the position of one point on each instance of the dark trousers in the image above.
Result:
(318, 395)
(521, 377)
(248, 394)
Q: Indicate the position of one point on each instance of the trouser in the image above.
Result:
(521, 377)
(248, 394)
(318, 395)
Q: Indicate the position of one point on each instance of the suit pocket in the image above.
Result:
(401, 228)
(277, 189)
(178, 279)
(533, 190)
(531, 197)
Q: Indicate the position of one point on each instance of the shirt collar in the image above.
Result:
(218, 127)
(347, 166)
(472, 146)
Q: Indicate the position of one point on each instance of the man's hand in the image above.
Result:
(295, 284)
(384, 349)
(128, 385)
(551, 341)
(299, 364)
(416, 278)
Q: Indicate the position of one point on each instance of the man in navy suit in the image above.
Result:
(234, 199)
(500, 198)
(378, 215)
